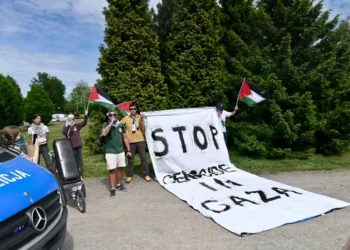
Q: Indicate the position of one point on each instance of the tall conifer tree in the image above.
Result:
(129, 64)
(293, 50)
(193, 60)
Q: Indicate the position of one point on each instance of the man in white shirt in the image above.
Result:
(222, 115)
(40, 132)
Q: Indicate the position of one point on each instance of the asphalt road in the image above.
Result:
(149, 217)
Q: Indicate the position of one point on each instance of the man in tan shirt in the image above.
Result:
(134, 129)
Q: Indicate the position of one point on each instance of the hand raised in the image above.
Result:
(113, 120)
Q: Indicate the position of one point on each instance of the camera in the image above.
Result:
(134, 128)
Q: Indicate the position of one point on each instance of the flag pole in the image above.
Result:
(89, 99)
(239, 92)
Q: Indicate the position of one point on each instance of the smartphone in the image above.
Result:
(35, 136)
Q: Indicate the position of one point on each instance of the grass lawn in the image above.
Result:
(95, 165)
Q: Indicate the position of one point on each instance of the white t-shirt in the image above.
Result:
(222, 119)
(42, 138)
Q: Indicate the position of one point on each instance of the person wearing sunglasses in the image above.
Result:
(115, 138)
(135, 128)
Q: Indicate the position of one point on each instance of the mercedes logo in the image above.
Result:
(38, 219)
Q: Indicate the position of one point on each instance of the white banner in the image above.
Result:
(191, 160)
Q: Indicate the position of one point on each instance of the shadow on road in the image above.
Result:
(69, 242)
(105, 182)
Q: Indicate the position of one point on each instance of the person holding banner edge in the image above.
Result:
(222, 115)
(135, 128)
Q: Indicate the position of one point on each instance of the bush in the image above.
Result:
(11, 102)
(38, 102)
(250, 139)
(333, 134)
(92, 139)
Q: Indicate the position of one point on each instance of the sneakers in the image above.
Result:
(113, 190)
(121, 188)
(112, 193)
(129, 179)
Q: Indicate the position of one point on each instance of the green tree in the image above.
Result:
(129, 64)
(54, 88)
(80, 96)
(92, 143)
(331, 84)
(11, 102)
(163, 23)
(294, 51)
(70, 108)
(194, 62)
(38, 102)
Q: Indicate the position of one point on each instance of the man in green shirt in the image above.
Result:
(115, 137)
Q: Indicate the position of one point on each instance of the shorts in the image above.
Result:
(115, 161)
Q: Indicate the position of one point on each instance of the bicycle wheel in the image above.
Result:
(80, 200)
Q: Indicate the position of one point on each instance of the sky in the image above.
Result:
(61, 37)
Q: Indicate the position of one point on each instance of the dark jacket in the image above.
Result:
(73, 133)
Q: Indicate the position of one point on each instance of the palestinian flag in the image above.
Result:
(124, 108)
(251, 94)
(98, 96)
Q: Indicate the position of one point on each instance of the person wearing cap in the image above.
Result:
(72, 132)
(114, 140)
(222, 115)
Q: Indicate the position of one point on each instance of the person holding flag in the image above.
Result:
(222, 115)
(72, 132)
(250, 94)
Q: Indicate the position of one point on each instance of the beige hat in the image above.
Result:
(70, 116)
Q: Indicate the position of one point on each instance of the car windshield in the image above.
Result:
(5, 155)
